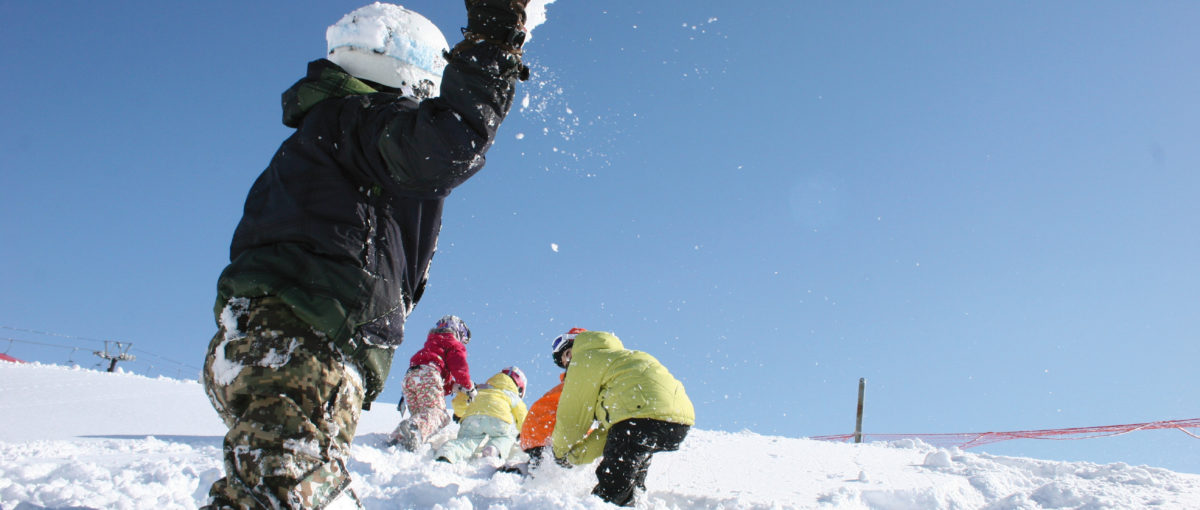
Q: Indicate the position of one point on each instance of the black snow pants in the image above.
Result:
(627, 453)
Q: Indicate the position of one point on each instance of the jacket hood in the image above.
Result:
(437, 336)
(502, 381)
(596, 341)
(325, 80)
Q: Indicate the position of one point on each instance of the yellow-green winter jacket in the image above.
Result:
(500, 398)
(609, 384)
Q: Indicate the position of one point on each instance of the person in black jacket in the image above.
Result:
(334, 245)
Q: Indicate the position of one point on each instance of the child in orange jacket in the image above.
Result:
(539, 424)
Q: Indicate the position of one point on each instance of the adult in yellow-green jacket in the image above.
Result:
(640, 408)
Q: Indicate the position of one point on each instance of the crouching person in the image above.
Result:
(640, 408)
(490, 422)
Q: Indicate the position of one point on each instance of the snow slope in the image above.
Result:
(73, 438)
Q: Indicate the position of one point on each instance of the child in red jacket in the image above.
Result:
(437, 370)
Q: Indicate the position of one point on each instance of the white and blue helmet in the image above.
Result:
(561, 343)
(392, 46)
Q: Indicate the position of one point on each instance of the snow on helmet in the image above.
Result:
(517, 376)
(392, 46)
(456, 326)
(561, 343)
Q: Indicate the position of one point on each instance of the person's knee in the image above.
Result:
(619, 495)
(273, 436)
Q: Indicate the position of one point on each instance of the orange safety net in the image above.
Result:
(970, 439)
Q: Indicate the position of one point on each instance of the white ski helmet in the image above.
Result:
(392, 46)
(518, 378)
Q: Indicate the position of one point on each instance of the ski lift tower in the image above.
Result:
(120, 353)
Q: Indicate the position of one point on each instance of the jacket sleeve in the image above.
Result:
(459, 405)
(456, 364)
(444, 142)
(576, 406)
(520, 412)
(591, 448)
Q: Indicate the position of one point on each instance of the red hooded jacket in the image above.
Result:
(448, 355)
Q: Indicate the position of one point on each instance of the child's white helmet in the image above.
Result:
(392, 46)
(517, 376)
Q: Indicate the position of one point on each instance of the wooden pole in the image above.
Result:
(862, 386)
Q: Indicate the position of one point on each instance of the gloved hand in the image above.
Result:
(562, 461)
(470, 392)
(500, 22)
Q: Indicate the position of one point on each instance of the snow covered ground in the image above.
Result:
(74, 438)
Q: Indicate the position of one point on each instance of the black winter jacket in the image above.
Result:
(343, 223)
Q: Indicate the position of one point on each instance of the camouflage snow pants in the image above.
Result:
(291, 404)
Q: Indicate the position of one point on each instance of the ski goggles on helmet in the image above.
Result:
(563, 342)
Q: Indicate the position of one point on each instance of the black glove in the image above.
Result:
(500, 22)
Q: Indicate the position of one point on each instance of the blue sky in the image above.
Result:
(988, 210)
